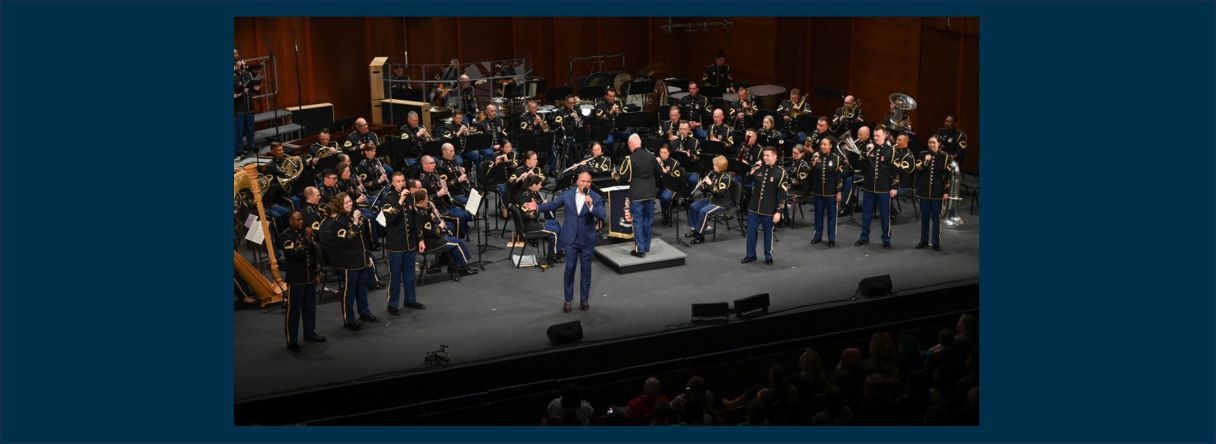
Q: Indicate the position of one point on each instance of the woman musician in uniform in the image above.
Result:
(716, 185)
(345, 248)
(535, 221)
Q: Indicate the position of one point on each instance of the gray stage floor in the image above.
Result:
(504, 310)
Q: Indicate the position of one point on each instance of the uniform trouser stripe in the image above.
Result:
(705, 220)
(345, 295)
(288, 320)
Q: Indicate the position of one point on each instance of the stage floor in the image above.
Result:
(504, 311)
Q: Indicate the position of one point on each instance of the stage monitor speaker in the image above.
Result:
(313, 117)
(565, 333)
(751, 303)
(874, 287)
(717, 311)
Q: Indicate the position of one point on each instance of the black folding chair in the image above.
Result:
(528, 237)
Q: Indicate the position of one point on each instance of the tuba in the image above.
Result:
(902, 103)
(950, 217)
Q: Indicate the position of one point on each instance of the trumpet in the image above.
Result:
(426, 135)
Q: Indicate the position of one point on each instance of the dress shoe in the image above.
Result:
(468, 271)
(690, 233)
(315, 338)
(369, 318)
(584, 306)
(295, 348)
(815, 241)
(417, 306)
(886, 245)
(860, 243)
(768, 261)
(747, 260)
(698, 240)
(455, 275)
(394, 311)
(566, 307)
(921, 245)
(937, 248)
(355, 327)
(376, 286)
(637, 254)
(831, 244)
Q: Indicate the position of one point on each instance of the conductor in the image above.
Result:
(640, 171)
(577, 235)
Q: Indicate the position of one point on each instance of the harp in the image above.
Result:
(269, 292)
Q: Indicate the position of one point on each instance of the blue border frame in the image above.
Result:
(112, 329)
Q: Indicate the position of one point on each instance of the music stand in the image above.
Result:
(635, 120)
(711, 91)
(328, 164)
(559, 92)
(433, 148)
(639, 87)
(538, 143)
(805, 123)
(398, 151)
(653, 145)
(592, 91)
(679, 193)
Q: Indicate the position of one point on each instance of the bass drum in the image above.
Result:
(768, 97)
(599, 79)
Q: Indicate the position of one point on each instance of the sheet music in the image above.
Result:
(381, 220)
(255, 234)
(474, 202)
(249, 221)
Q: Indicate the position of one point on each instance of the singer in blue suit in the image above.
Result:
(577, 235)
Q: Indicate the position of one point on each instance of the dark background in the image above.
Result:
(933, 59)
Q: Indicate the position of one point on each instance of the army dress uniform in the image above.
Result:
(718, 76)
(535, 221)
(791, 109)
(842, 123)
(954, 143)
(723, 133)
(401, 238)
(597, 164)
(826, 183)
(355, 141)
(932, 182)
(303, 270)
(343, 244)
(435, 236)
(719, 199)
(675, 172)
(700, 109)
(448, 206)
(603, 115)
(881, 168)
(690, 146)
(769, 188)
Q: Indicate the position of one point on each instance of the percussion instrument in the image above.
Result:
(767, 96)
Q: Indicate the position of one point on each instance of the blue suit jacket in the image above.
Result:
(578, 229)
